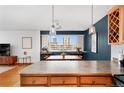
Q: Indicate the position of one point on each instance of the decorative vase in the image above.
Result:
(25, 53)
(63, 56)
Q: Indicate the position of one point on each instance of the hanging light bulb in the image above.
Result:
(52, 29)
(92, 29)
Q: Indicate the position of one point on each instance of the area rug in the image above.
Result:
(6, 68)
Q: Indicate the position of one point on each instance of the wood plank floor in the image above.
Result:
(11, 78)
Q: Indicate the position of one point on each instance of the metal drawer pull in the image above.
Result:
(63, 81)
(34, 81)
(93, 82)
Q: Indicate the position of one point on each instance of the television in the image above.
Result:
(5, 49)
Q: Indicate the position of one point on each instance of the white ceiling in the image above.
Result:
(38, 17)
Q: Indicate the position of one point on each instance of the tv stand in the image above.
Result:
(9, 60)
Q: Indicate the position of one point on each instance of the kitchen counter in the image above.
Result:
(73, 67)
(70, 73)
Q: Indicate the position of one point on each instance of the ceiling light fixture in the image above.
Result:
(92, 28)
(53, 28)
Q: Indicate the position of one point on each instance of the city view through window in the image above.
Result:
(64, 43)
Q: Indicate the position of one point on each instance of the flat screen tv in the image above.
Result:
(5, 49)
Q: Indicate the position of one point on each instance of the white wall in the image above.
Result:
(15, 39)
(116, 50)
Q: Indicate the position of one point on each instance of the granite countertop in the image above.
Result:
(73, 68)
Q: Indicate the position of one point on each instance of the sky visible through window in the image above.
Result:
(62, 42)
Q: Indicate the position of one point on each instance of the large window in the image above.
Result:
(67, 43)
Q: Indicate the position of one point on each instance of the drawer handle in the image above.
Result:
(33, 82)
(63, 82)
(93, 82)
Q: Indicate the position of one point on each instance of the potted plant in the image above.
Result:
(78, 49)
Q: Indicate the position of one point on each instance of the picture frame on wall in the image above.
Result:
(27, 42)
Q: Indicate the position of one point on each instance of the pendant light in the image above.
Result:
(53, 29)
(92, 28)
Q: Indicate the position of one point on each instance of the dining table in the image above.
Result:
(66, 57)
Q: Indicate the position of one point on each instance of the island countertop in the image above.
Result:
(73, 68)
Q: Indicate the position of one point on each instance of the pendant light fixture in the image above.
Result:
(92, 28)
(53, 29)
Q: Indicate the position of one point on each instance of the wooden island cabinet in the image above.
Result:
(33, 81)
(75, 81)
(104, 80)
(69, 73)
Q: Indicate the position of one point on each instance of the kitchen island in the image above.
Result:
(70, 73)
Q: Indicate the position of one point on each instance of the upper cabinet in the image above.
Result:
(116, 25)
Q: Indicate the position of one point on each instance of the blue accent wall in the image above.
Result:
(103, 49)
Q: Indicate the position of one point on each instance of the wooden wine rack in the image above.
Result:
(115, 28)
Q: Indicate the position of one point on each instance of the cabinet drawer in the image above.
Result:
(64, 85)
(33, 80)
(96, 80)
(92, 85)
(63, 80)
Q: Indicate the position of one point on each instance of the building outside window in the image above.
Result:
(66, 43)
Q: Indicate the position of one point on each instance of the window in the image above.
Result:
(67, 43)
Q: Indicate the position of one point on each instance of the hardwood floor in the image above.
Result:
(11, 78)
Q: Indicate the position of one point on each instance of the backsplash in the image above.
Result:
(116, 51)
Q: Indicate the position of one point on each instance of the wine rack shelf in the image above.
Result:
(115, 25)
